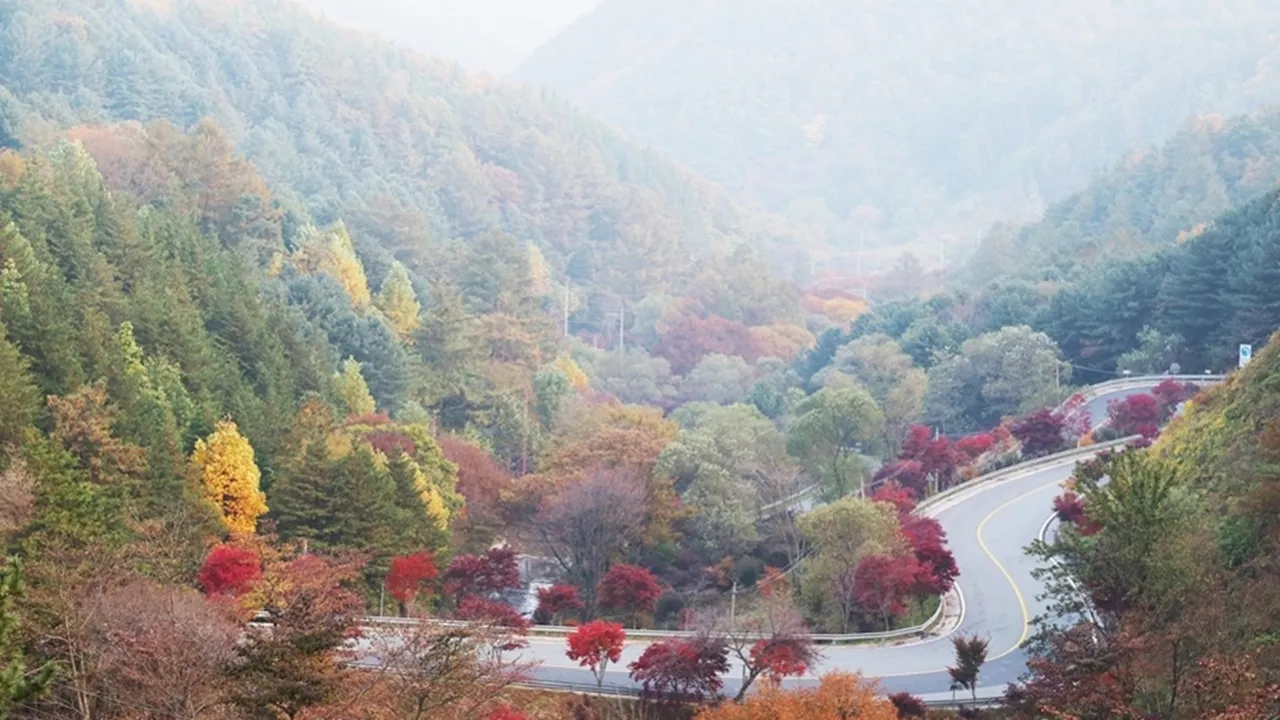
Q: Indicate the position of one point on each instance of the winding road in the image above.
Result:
(988, 524)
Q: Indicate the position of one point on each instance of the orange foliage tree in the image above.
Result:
(838, 695)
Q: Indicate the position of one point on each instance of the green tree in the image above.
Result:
(399, 303)
(19, 397)
(1006, 372)
(830, 429)
(18, 682)
(723, 465)
(841, 535)
(877, 364)
(351, 390)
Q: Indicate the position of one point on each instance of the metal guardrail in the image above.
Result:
(1137, 381)
(1020, 468)
(658, 635)
(632, 691)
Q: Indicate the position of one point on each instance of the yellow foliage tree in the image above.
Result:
(844, 310)
(399, 303)
(782, 341)
(331, 252)
(352, 391)
(837, 696)
(224, 466)
(577, 378)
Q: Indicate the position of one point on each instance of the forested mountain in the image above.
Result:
(410, 152)
(1149, 200)
(906, 118)
(492, 36)
(1175, 556)
(1190, 303)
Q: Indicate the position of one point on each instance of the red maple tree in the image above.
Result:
(1170, 393)
(1135, 415)
(556, 600)
(1040, 433)
(937, 566)
(495, 613)
(971, 446)
(882, 584)
(683, 669)
(230, 571)
(629, 589)
(595, 645)
(781, 657)
(937, 456)
(907, 474)
(896, 495)
(908, 705)
(482, 575)
(408, 576)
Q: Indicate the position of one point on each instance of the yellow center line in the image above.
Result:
(1022, 602)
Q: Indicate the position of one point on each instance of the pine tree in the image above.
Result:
(300, 499)
(424, 519)
(19, 397)
(225, 467)
(352, 391)
(18, 683)
(399, 303)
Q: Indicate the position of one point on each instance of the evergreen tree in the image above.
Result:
(352, 391)
(300, 498)
(18, 683)
(19, 397)
(398, 302)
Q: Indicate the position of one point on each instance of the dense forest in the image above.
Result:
(1149, 200)
(897, 120)
(298, 328)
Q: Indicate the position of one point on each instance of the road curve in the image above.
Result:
(987, 527)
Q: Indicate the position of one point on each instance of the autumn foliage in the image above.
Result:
(629, 589)
(1138, 414)
(838, 695)
(595, 645)
(230, 571)
(480, 575)
(685, 668)
(555, 601)
(1040, 432)
(692, 338)
(227, 473)
(409, 575)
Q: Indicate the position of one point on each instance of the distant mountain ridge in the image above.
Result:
(892, 121)
(410, 152)
(492, 36)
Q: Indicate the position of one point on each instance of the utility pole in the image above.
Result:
(566, 307)
(733, 604)
(622, 331)
(862, 246)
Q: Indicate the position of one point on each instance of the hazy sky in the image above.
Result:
(492, 35)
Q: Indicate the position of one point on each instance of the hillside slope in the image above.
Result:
(492, 36)
(1149, 200)
(1176, 558)
(909, 117)
(410, 152)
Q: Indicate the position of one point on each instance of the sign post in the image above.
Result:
(1246, 354)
